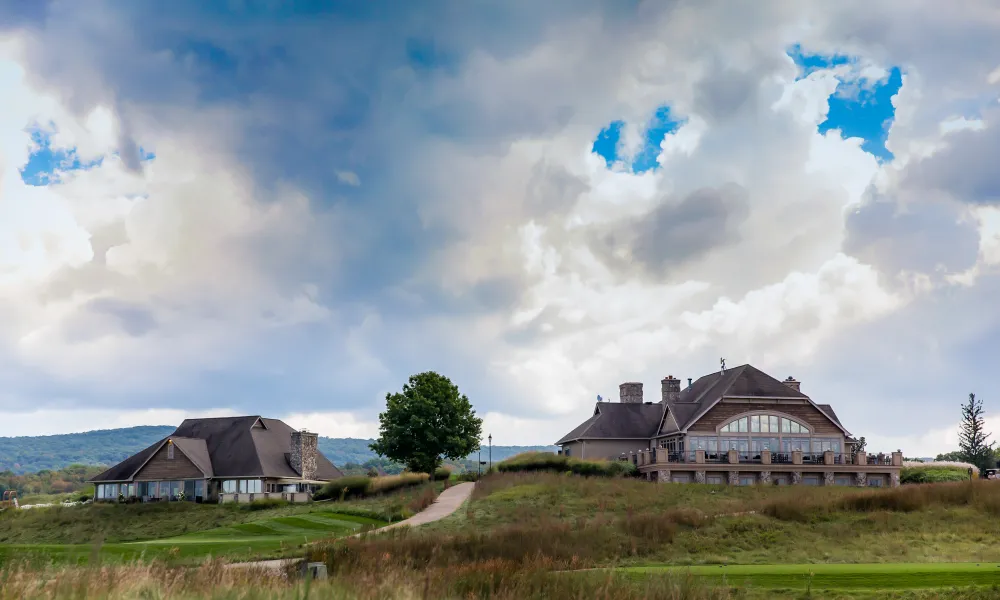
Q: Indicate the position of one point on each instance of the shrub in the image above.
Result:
(442, 473)
(935, 472)
(359, 486)
(267, 504)
(384, 485)
(468, 476)
(548, 461)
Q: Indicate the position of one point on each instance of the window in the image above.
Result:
(842, 480)
(762, 443)
(791, 444)
(199, 488)
(810, 480)
(170, 449)
(875, 482)
(822, 445)
(566, 451)
(764, 424)
(251, 486)
(740, 444)
(229, 486)
(747, 480)
(715, 479)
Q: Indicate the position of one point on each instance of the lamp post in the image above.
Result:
(479, 459)
(490, 438)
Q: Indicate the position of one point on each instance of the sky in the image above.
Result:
(288, 208)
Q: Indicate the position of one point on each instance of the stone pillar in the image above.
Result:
(861, 479)
(734, 457)
(733, 478)
(897, 459)
(894, 479)
(861, 458)
(828, 478)
(663, 476)
(765, 477)
(699, 457)
(796, 457)
(765, 457)
(699, 477)
(796, 477)
(828, 457)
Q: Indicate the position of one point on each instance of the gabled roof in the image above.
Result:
(616, 420)
(229, 447)
(744, 381)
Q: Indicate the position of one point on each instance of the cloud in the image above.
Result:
(349, 178)
(211, 257)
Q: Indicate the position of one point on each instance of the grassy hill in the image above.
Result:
(31, 454)
(553, 536)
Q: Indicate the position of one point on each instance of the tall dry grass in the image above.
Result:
(496, 579)
(976, 494)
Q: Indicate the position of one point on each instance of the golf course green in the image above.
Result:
(888, 576)
(266, 538)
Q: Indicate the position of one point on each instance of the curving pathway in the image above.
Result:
(444, 505)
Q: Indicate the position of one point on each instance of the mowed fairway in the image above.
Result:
(253, 540)
(895, 576)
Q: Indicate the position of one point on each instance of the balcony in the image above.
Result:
(659, 456)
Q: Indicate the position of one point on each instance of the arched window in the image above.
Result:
(764, 423)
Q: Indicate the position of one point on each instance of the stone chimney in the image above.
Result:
(671, 388)
(790, 382)
(303, 455)
(630, 392)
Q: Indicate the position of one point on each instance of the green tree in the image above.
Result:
(953, 456)
(429, 421)
(973, 441)
(858, 446)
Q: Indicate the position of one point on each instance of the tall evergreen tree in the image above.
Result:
(973, 440)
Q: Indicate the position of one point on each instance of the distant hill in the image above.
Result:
(30, 454)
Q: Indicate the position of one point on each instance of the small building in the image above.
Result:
(737, 426)
(224, 459)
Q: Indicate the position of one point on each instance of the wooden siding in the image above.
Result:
(161, 468)
(805, 413)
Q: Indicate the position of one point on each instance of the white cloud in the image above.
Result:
(349, 177)
(492, 245)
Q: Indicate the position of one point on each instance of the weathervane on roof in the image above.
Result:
(722, 361)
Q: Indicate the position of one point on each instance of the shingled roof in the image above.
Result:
(615, 420)
(626, 420)
(249, 446)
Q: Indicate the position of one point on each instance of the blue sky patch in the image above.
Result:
(45, 163)
(866, 114)
(606, 145)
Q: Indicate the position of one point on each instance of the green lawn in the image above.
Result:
(185, 533)
(264, 538)
(887, 576)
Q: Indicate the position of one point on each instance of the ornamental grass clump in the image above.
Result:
(547, 461)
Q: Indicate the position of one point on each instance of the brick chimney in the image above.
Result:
(671, 389)
(303, 455)
(630, 392)
(790, 382)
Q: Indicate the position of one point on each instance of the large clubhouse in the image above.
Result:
(737, 426)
